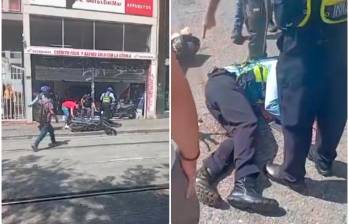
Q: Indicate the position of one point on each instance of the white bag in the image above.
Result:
(271, 102)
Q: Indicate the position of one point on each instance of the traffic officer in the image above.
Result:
(107, 99)
(312, 82)
(256, 20)
(234, 103)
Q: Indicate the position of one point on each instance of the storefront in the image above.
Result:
(69, 45)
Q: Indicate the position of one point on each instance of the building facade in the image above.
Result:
(84, 46)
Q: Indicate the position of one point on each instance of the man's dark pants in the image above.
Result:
(44, 129)
(107, 113)
(233, 111)
(312, 82)
(256, 23)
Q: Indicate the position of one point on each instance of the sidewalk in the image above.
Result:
(29, 130)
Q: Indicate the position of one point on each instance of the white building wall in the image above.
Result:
(29, 9)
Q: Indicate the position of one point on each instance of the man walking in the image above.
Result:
(46, 113)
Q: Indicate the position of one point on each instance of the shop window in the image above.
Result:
(108, 36)
(45, 31)
(137, 38)
(78, 34)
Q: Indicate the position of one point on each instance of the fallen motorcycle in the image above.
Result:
(93, 124)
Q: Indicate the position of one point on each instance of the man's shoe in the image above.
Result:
(274, 173)
(206, 188)
(34, 147)
(52, 144)
(238, 39)
(272, 28)
(323, 167)
(244, 196)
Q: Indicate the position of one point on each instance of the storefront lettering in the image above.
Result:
(87, 53)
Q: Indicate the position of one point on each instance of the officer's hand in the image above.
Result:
(189, 169)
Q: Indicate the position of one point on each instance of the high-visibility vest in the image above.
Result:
(106, 98)
(331, 11)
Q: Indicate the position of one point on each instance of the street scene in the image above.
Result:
(85, 111)
(327, 202)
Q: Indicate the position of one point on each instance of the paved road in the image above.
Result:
(327, 203)
(83, 164)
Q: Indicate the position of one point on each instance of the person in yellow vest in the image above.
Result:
(312, 83)
(107, 100)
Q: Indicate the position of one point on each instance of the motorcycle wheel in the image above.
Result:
(132, 115)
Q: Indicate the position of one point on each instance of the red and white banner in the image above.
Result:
(130, 7)
(70, 52)
(139, 7)
(117, 6)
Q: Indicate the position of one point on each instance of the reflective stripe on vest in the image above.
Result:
(260, 73)
(334, 11)
(331, 12)
(106, 98)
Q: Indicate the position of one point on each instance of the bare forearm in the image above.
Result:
(183, 115)
(212, 7)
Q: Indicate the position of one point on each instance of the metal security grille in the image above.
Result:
(12, 101)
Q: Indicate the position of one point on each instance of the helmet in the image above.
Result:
(110, 89)
(45, 88)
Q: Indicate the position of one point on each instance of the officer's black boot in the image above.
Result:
(244, 196)
(206, 188)
(322, 166)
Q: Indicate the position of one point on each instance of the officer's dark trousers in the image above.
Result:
(312, 83)
(234, 113)
(239, 17)
(256, 23)
(107, 113)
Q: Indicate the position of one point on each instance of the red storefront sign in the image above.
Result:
(139, 7)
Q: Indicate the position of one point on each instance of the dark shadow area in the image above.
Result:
(195, 62)
(279, 212)
(327, 190)
(59, 143)
(340, 169)
(24, 178)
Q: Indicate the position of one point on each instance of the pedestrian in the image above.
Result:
(312, 82)
(235, 101)
(68, 107)
(86, 106)
(46, 113)
(184, 203)
(9, 97)
(255, 17)
(107, 99)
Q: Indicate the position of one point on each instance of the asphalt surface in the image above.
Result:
(83, 164)
(327, 202)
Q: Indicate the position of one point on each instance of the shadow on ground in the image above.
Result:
(23, 175)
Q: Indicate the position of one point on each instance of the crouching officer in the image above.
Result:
(232, 100)
(312, 82)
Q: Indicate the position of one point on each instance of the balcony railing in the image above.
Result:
(11, 6)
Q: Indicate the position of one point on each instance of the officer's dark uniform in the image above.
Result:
(312, 79)
(233, 109)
